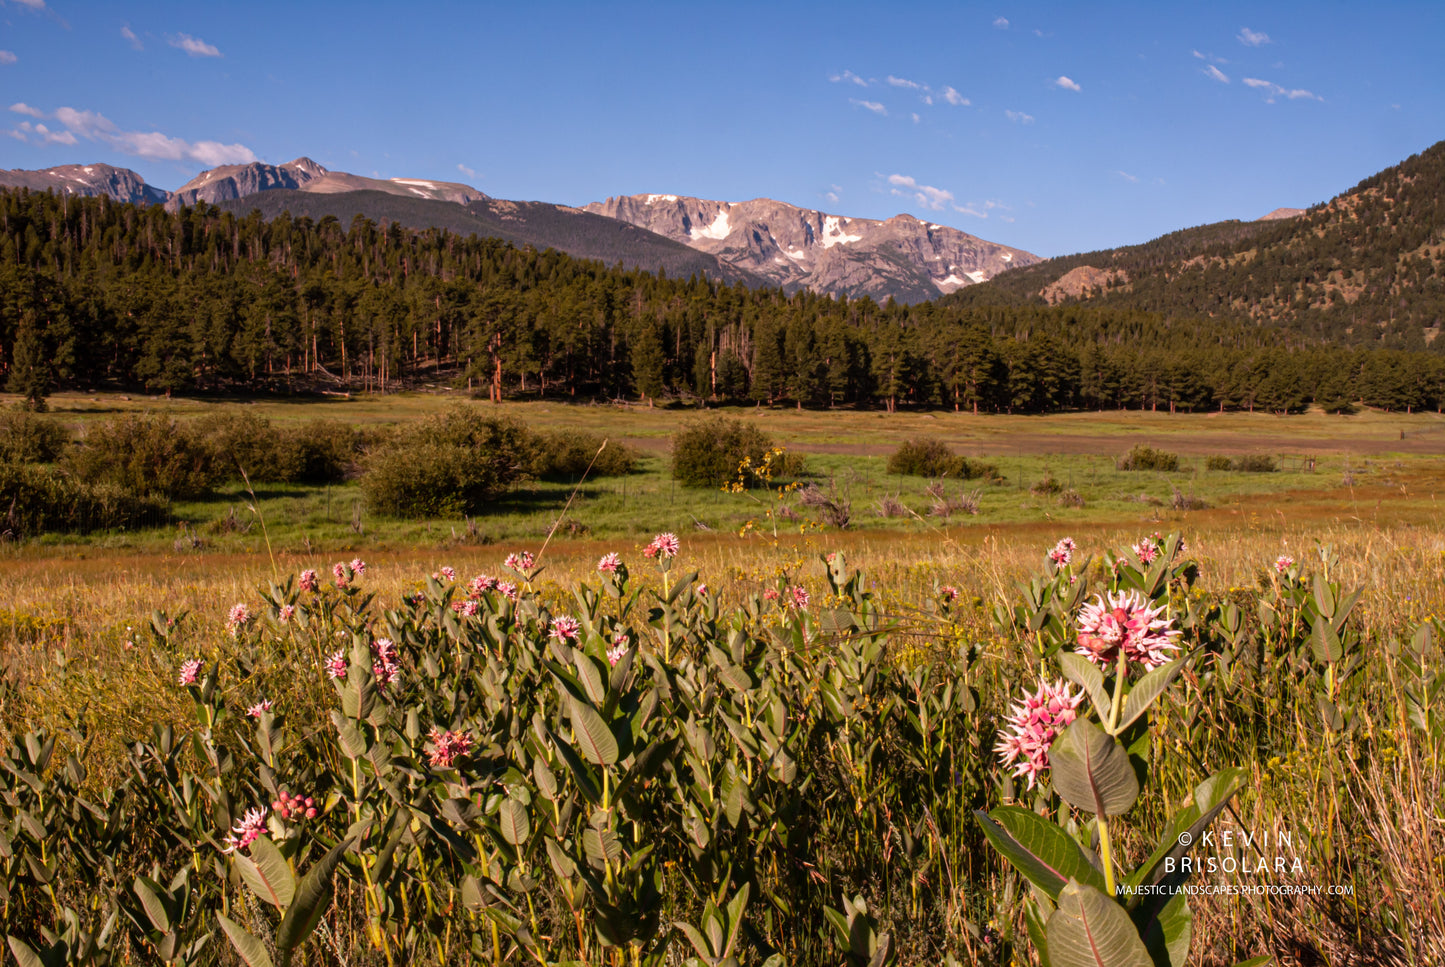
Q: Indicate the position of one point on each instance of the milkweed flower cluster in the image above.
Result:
(286, 613)
(663, 547)
(294, 808)
(610, 563)
(1034, 725)
(800, 597)
(190, 672)
(251, 827)
(468, 608)
(1063, 553)
(481, 584)
(620, 644)
(1124, 621)
(449, 573)
(309, 581)
(1283, 563)
(520, 562)
(255, 711)
(1146, 550)
(336, 664)
(948, 593)
(447, 747)
(239, 617)
(342, 573)
(564, 628)
(385, 664)
(508, 590)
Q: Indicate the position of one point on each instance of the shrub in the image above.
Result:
(27, 438)
(1071, 498)
(963, 503)
(925, 457)
(43, 499)
(832, 506)
(1256, 463)
(320, 451)
(708, 452)
(455, 463)
(1183, 501)
(1148, 458)
(566, 455)
(1218, 462)
(889, 505)
(145, 455)
(1046, 487)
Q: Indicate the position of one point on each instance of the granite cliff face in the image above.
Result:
(901, 257)
(237, 181)
(122, 184)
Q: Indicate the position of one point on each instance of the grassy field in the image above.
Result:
(1360, 490)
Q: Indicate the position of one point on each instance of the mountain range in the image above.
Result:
(760, 242)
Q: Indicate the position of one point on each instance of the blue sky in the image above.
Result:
(1053, 127)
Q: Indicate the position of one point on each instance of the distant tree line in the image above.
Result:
(95, 294)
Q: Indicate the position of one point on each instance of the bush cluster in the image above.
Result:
(709, 452)
(27, 438)
(931, 457)
(1148, 458)
(457, 462)
(567, 454)
(40, 499)
(1252, 463)
(319, 451)
(145, 455)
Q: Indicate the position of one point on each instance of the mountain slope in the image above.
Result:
(537, 224)
(902, 257)
(91, 180)
(1368, 267)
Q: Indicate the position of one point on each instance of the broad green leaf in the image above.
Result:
(24, 955)
(146, 888)
(1091, 770)
(516, 826)
(313, 896)
(586, 783)
(1324, 596)
(1326, 642)
(1147, 689)
(267, 873)
(593, 736)
(1037, 848)
(1090, 930)
(1085, 673)
(252, 951)
(1168, 933)
(1256, 961)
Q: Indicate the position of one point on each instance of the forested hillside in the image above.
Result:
(99, 294)
(1367, 269)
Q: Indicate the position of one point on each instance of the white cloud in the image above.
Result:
(1132, 179)
(1067, 84)
(130, 36)
(848, 76)
(465, 170)
(1197, 54)
(916, 118)
(32, 4)
(143, 144)
(1275, 91)
(955, 98)
(1001, 23)
(1253, 38)
(905, 82)
(7, 57)
(1214, 73)
(926, 195)
(194, 46)
(1019, 117)
(833, 193)
(873, 106)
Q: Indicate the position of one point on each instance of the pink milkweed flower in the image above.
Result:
(358, 566)
(265, 705)
(239, 617)
(1034, 725)
(617, 652)
(664, 546)
(770, 594)
(287, 612)
(447, 747)
(1063, 552)
(467, 608)
(1125, 621)
(610, 563)
(564, 628)
(520, 562)
(482, 583)
(342, 573)
(508, 590)
(449, 573)
(949, 593)
(1283, 563)
(801, 597)
(251, 827)
(309, 581)
(294, 808)
(1146, 550)
(190, 672)
(336, 664)
(702, 591)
